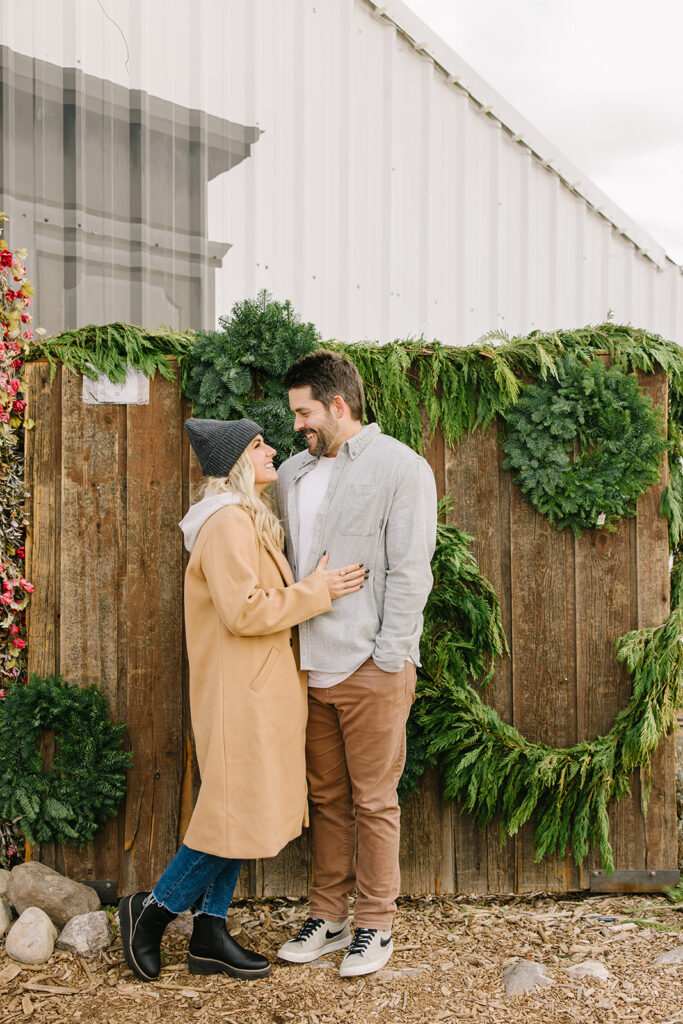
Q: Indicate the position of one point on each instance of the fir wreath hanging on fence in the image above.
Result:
(486, 764)
(71, 800)
(619, 436)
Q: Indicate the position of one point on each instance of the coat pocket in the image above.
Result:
(265, 671)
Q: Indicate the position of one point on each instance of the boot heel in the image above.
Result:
(198, 966)
(204, 965)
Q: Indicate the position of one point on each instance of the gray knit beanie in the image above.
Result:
(218, 444)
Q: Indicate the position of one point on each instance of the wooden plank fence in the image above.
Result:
(107, 486)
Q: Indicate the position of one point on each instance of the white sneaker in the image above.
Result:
(370, 950)
(316, 938)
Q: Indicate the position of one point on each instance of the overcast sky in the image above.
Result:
(601, 79)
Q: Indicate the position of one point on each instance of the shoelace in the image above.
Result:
(310, 925)
(361, 940)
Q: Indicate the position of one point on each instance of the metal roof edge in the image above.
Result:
(460, 75)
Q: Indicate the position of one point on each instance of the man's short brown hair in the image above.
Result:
(328, 374)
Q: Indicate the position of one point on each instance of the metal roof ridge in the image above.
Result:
(461, 75)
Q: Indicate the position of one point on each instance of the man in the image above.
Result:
(362, 497)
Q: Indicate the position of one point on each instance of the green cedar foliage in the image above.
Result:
(490, 768)
(238, 371)
(112, 348)
(87, 780)
(462, 636)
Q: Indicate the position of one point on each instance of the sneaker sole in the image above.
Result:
(126, 922)
(205, 965)
(353, 970)
(308, 957)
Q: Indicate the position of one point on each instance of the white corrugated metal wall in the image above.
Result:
(380, 198)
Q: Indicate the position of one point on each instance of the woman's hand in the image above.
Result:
(342, 581)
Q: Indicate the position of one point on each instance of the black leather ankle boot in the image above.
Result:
(214, 951)
(142, 925)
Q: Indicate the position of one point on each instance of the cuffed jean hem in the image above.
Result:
(200, 881)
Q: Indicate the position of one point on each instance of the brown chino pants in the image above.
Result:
(355, 753)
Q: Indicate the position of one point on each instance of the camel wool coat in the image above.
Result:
(248, 699)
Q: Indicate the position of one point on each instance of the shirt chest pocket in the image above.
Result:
(361, 514)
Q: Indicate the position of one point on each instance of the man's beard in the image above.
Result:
(324, 437)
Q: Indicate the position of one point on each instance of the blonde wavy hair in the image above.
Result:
(241, 482)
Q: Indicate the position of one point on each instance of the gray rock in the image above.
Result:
(525, 976)
(674, 956)
(5, 915)
(589, 969)
(4, 882)
(86, 934)
(31, 940)
(35, 885)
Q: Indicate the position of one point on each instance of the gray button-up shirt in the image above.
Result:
(379, 509)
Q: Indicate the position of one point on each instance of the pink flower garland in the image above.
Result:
(15, 336)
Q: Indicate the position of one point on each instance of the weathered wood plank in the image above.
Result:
(427, 853)
(42, 447)
(604, 580)
(92, 482)
(154, 649)
(191, 482)
(652, 591)
(543, 658)
(474, 480)
(43, 471)
(287, 874)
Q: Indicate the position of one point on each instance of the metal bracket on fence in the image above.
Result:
(633, 881)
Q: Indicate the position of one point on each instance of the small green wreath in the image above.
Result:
(618, 433)
(71, 800)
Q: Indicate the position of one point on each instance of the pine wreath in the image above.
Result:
(71, 800)
(618, 434)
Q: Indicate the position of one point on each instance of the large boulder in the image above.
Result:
(4, 882)
(31, 940)
(36, 885)
(86, 934)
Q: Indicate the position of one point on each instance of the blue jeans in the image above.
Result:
(198, 880)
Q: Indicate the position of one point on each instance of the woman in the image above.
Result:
(247, 699)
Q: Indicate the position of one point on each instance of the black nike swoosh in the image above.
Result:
(385, 942)
(333, 935)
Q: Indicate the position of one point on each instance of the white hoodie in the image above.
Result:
(198, 513)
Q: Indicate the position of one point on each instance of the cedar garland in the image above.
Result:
(112, 348)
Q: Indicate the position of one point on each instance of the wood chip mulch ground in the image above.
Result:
(450, 953)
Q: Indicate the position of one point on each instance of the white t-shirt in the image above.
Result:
(312, 490)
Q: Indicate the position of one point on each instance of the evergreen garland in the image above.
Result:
(486, 764)
(112, 348)
(84, 787)
(618, 434)
(490, 768)
(462, 635)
